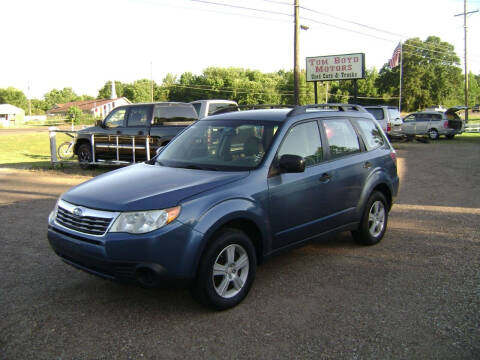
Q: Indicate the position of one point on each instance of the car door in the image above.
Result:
(348, 165)
(134, 135)
(113, 125)
(297, 201)
(409, 125)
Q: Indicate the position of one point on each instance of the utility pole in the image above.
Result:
(296, 67)
(464, 14)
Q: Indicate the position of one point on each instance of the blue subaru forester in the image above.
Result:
(228, 192)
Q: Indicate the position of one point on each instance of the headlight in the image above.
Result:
(139, 222)
(53, 214)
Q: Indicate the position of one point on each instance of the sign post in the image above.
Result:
(336, 67)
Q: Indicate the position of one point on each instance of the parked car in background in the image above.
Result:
(206, 210)
(476, 108)
(434, 123)
(122, 135)
(389, 117)
(206, 108)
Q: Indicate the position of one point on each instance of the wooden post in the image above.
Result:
(315, 89)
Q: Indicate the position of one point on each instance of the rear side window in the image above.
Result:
(303, 140)
(377, 113)
(370, 133)
(212, 108)
(342, 138)
(437, 117)
(138, 116)
(173, 115)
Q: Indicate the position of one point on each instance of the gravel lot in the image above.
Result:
(416, 295)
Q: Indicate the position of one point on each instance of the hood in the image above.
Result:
(146, 187)
(89, 130)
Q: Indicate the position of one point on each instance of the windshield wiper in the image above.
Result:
(197, 167)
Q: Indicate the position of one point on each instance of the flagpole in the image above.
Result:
(401, 76)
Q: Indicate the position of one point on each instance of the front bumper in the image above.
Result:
(170, 253)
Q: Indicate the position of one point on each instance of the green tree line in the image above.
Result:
(431, 76)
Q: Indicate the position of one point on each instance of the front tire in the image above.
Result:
(433, 134)
(226, 271)
(85, 156)
(374, 220)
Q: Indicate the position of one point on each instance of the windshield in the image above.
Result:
(220, 145)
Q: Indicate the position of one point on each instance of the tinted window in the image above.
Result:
(377, 113)
(303, 140)
(436, 117)
(342, 138)
(212, 108)
(173, 115)
(370, 133)
(116, 118)
(138, 116)
(197, 107)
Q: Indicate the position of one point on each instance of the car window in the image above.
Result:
(303, 140)
(370, 133)
(342, 138)
(212, 108)
(394, 114)
(437, 117)
(116, 118)
(220, 145)
(377, 113)
(174, 115)
(197, 107)
(138, 116)
(409, 118)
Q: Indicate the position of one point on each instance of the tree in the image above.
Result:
(13, 97)
(60, 97)
(430, 74)
(106, 91)
(74, 114)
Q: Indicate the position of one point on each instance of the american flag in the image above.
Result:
(395, 60)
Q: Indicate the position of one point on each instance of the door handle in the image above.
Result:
(367, 165)
(140, 133)
(118, 132)
(325, 178)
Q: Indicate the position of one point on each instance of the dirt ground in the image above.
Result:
(416, 295)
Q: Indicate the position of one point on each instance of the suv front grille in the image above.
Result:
(83, 220)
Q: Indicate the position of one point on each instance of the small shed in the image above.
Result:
(11, 115)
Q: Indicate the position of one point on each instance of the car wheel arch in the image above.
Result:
(79, 143)
(377, 184)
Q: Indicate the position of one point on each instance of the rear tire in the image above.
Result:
(226, 271)
(374, 220)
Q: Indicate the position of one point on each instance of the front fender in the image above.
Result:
(230, 210)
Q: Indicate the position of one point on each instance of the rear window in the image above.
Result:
(370, 133)
(173, 115)
(377, 113)
(394, 114)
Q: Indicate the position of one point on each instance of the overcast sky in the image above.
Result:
(82, 44)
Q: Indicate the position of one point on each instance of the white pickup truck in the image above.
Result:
(205, 108)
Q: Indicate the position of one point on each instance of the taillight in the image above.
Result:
(445, 124)
(389, 127)
(393, 155)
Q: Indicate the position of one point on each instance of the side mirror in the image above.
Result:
(291, 163)
(159, 150)
(99, 123)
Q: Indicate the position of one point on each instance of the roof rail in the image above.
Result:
(234, 107)
(302, 109)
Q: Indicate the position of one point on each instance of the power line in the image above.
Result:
(278, 2)
(241, 7)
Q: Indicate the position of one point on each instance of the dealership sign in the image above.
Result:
(336, 67)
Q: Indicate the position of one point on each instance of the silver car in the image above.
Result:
(434, 123)
(388, 117)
